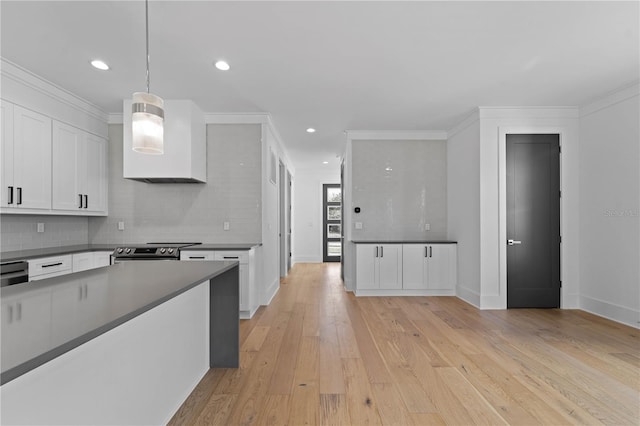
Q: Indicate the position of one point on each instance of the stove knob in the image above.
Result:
(128, 250)
(170, 251)
(162, 250)
(120, 250)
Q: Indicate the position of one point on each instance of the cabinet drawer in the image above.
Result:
(49, 265)
(196, 255)
(240, 256)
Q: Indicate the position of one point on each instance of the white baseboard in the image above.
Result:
(611, 311)
(468, 295)
(271, 292)
(401, 292)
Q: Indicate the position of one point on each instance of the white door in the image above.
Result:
(6, 152)
(414, 266)
(95, 165)
(390, 263)
(66, 175)
(32, 159)
(438, 270)
(366, 263)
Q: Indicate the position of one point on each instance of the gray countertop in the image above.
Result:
(404, 242)
(10, 256)
(43, 319)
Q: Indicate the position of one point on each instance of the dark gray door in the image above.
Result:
(533, 221)
(332, 222)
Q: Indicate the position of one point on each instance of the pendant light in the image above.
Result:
(147, 113)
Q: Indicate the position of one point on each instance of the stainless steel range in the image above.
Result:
(149, 251)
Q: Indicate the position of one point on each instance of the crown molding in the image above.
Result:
(528, 112)
(28, 79)
(396, 134)
(472, 118)
(236, 118)
(619, 95)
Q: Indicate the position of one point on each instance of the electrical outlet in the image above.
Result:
(358, 225)
(120, 226)
(427, 227)
(40, 227)
(225, 226)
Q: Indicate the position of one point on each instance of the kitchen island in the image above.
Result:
(123, 344)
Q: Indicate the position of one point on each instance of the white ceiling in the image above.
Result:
(332, 65)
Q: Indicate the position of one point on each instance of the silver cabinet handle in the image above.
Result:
(376, 251)
(381, 251)
(430, 251)
(426, 251)
(513, 242)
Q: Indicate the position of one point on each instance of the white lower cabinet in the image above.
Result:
(90, 260)
(246, 258)
(406, 269)
(24, 316)
(379, 266)
(429, 266)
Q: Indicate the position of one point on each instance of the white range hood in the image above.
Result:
(185, 147)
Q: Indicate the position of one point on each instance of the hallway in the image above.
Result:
(318, 355)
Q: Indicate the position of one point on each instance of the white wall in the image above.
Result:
(270, 211)
(610, 207)
(463, 205)
(307, 212)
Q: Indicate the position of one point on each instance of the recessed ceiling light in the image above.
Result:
(101, 65)
(311, 130)
(325, 162)
(222, 66)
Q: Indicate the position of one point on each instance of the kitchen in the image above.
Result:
(239, 203)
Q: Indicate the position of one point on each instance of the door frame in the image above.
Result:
(562, 132)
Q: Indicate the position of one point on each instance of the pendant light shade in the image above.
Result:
(147, 113)
(147, 121)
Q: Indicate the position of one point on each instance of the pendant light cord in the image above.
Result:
(146, 15)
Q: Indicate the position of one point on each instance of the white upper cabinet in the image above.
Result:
(26, 158)
(79, 171)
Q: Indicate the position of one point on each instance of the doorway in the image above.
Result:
(533, 220)
(284, 226)
(331, 222)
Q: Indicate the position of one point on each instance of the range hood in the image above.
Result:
(185, 147)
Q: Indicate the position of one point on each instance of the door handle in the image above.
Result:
(376, 251)
(19, 195)
(80, 196)
(10, 195)
(381, 251)
(86, 201)
(430, 251)
(513, 242)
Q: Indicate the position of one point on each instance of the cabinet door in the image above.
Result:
(414, 266)
(95, 165)
(197, 255)
(438, 271)
(32, 159)
(366, 264)
(6, 154)
(25, 328)
(66, 173)
(390, 266)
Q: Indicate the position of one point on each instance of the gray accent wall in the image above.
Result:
(189, 212)
(400, 186)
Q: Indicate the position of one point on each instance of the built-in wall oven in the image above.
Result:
(149, 251)
(12, 273)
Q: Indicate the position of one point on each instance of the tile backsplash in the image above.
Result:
(19, 232)
(189, 212)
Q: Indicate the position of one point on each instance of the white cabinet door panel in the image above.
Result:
(414, 266)
(390, 266)
(366, 263)
(66, 175)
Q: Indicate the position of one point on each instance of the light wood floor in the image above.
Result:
(318, 355)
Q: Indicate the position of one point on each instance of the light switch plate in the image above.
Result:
(120, 226)
(40, 227)
(358, 225)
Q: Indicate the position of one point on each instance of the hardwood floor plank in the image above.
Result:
(333, 410)
(360, 399)
(318, 354)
